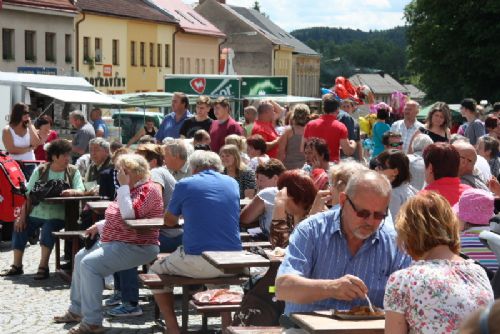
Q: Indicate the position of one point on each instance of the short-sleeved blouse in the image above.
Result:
(246, 180)
(436, 296)
(434, 136)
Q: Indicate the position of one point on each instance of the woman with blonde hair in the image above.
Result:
(241, 143)
(289, 144)
(236, 168)
(440, 288)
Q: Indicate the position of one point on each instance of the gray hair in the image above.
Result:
(177, 148)
(420, 142)
(77, 114)
(201, 160)
(458, 138)
(340, 173)
(102, 143)
(369, 179)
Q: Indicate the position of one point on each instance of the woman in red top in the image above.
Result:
(119, 248)
(44, 125)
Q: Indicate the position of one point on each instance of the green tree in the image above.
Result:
(454, 47)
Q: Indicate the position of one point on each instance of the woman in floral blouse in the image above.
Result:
(440, 289)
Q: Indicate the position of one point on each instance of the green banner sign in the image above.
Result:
(254, 86)
(203, 86)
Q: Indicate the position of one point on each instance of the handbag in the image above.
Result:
(42, 190)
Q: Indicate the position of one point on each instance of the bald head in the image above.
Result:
(368, 181)
(468, 157)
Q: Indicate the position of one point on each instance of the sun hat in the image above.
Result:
(475, 206)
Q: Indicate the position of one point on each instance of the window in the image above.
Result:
(158, 55)
(98, 50)
(68, 55)
(142, 55)
(133, 61)
(115, 56)
(29, 45)
(50, 47)
(182, 65)
(86, 49)
(167, 55)
(8, 44)
(197, 65)
(188, 65)
(151, 54)
(203, 68)
(212, 66)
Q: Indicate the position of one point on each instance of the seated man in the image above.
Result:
(209, 203)
(336, 257)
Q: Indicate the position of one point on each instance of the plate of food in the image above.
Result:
(359, 313)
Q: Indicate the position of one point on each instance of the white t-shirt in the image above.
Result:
(267, 195)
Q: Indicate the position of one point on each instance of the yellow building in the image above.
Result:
(124, 46)
(197, 41)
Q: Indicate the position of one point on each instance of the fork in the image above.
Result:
(369, 303)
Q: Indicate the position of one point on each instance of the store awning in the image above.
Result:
(77, 96)
(284, 98)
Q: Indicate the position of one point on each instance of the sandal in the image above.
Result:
(67, 318)
(87, 329)
(43, 273)
(13, 271)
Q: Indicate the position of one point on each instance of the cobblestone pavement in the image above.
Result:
(27, 306)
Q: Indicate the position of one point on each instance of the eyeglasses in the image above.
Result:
(365, 214)
(399, 143)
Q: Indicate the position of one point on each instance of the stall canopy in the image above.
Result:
(454, 108)
(288, 99)
(77, 96)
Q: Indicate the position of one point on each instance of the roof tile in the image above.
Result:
(53, 4)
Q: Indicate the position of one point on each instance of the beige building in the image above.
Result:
(37, 36)
(262, 48)
(196, 43)
(124, 46)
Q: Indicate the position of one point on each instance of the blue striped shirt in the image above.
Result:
(318, 250)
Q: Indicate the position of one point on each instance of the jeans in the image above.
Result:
(91, 266)
(127, 282)
(19, 239)
(169, 245)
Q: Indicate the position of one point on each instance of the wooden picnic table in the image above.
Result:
(254, 330)
(250, 244)
(322, 322)
(62, 199)
(74, 237)
(147, 223)
(235, 261)
(98, 207)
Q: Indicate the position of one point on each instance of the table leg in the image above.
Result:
(58, 252)
(185, 307)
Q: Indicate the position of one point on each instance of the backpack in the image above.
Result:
(259, 306)
(44, 188)
(12, 188)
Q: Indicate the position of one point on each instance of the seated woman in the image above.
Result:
(474, 210)
(318, 161)
(291, 205)
(241, 143)
(47, 216)
(440, 289)
(488, 148)
(119, 248)
(234, 167)
(396, 166)
(256, 149)
(262, 205)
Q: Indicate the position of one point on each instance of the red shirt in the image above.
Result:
(328, 128)
(267, 131)
(40, 153)
(448, 187)
(219, 132)
(147, 202)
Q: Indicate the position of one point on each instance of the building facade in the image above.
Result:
(124, 46)
(37, 36)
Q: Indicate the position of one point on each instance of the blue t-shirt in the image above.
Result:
(378, 131)
(100, 125)
(210, 205)
(318, 250)
(170, 127)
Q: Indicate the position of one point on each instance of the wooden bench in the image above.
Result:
(75, 237)
(254, 330)
(154, 281)
(222, 311)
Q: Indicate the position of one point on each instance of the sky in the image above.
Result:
(355, 14)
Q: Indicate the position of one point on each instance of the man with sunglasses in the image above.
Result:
(338, 257)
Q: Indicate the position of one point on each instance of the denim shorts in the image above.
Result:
(19, 239)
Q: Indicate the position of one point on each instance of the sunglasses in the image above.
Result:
(399, 143)
(365, 214)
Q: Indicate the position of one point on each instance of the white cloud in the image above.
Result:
(362, 14)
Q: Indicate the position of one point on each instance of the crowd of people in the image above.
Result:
(397, 219)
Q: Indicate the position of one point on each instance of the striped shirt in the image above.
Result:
(318, 250)
(473, 247)
(147, 202)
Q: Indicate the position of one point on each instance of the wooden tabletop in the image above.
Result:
(99, 206)
(250, 244)
(254, 330)
(73, 198)
(234, 261)
(145, 223)
(321, 322)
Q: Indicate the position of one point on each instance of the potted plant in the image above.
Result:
(89, 61)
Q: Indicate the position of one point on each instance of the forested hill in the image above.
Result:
(348, 51)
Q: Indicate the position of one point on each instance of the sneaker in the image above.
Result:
(115, 299)
(125, 310)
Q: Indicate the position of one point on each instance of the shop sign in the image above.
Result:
(37, 70)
